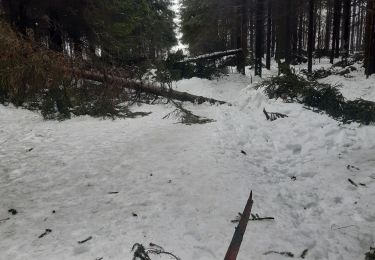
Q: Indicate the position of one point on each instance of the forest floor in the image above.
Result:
(153, 180)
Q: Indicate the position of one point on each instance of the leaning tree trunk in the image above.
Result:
(147, 87)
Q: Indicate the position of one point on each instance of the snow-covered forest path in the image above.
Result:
(151, 180)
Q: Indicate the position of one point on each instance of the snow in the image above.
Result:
(186, 183)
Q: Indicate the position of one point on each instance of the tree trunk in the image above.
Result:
(346, 28)
(337, 41)
(241, 35)
(370, 38)
(336, 29)
(361, 26)
(352, 35)
(147, 87)
(328, 26)
(287, 36)
(300, 32)
(269, 34)
(310, 44)
(259, 37)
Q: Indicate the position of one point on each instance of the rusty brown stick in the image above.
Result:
(235, 244)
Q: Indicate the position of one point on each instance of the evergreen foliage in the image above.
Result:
(323, 97)
(125, 31)
(33, 77)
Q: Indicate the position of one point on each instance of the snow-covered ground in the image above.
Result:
(152, 180)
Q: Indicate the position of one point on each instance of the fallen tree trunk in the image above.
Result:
(212, 56)
(147, 87)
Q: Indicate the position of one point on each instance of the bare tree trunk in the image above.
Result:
(269, 27)
(147, 87)
(310, 44)
(354, 18)
(346, 28)
(339, 16)
(287, 35)
(336, 28)
(300, 32)
(361, 26)
(328, 26)
(259, 37)
(370, 38)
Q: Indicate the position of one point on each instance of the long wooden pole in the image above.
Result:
(235, 244)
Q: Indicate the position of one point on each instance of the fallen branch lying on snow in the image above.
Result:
(45, 233)
(85, 240)
(289, 254)
(304, 253)
(272, 116)
(352, 182)
(254, 217)
(5, 219)
(187, 117)
(212, 56)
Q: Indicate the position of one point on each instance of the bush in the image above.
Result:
(286, 85)
(324, 97)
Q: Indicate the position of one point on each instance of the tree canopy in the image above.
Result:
(125, 31)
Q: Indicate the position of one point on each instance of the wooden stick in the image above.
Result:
(235, 244)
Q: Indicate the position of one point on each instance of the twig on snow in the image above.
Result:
(272, 116)
(254, 217)
(45, 233)
(289, 254)
(4, 219)
(352, 182)
(304, 253)
(85, 240)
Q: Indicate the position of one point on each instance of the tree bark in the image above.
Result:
(259, 37)
(354, 18)
(328, 26)
(370, 39)
(235, 244)
(310, 44)
(147, 87)
(346, 28)
(336, 29)
(212, 56)
(269, 34)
